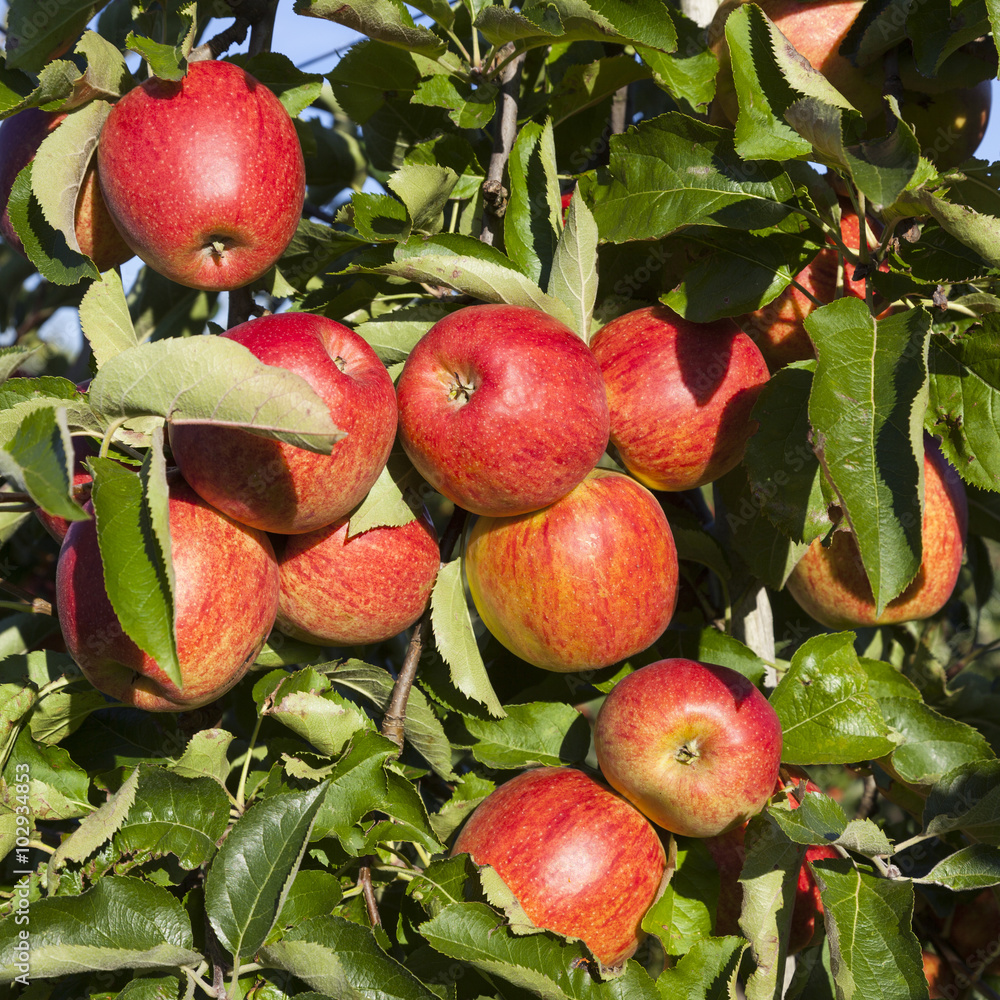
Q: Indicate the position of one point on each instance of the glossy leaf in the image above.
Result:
(530, 735)
(105, 318)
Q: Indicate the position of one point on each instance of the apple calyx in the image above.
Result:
(459, 390)
(688, 753)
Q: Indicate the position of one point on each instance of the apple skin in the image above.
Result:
(58, 526)
(96, 232)
(695, 747)
(581, 584)
(221, 622)
(502, 409)
(778, 328)
(278, 487)
(680, 395)
(939, 976)
(728, 851)
(210, 159)
(351, 591)
(830, 583)
(580, 860)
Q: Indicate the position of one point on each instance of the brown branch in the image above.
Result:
(235, 34)
(368, 891)
(394, 720)
(618, 118)
(505, 131)
(37, 605)
(241, 306)
(868, 799)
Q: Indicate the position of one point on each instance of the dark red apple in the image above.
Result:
(579, 859)
(276, 486)
(339, 589)
(694, 746)
(830, 582)
(225, 599)
(204, 176)
(502, 409)
(96, 232)
(680, 395)
(58, 526)
(581, 584)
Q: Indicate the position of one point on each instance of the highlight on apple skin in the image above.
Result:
(830, 584)
(275, 486)
(204, 176)
(694, 746)
(680, 395)
(579, 858)
(220, 628)
(502, 409)
(339, 589)
(581, 584)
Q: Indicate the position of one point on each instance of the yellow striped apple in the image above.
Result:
(680, 395)
(581, 584)
(694, 746)
(830, 583)
(278, 487)
(502, 409)
(579, 859)
(339, 589)
(221, 622)
(203, 176)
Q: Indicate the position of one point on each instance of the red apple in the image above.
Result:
(339, 589)
(225, 600)
(204, 176)
(695, 747)
(58, 526)
(581, 584)
(276, 486)
(502, 409)
(831, 585)
(680, 395)
(778, 328)
(949, 119)
(940, 978)
(578, 858)
(973, 931)
(96, 233)
(729, 852)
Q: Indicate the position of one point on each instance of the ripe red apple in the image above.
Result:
(581, 584)
(58, 526)
(579, 859)
(940, 978)
(831, 585)
(204, 176)
(728, 851)
(225, 599)
(695, 747)
(778, 328)
(342, 590)
(96, 233)
(502, 409)
(680, 395)
(278, 487)
(949, 120)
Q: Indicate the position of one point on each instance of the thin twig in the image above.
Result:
(32, 603)
(505, 131)
(368, 892)
(868, 799)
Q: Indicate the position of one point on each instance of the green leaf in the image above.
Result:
(305, 703)
(424, 189)
(974, 867)
(783, 470)
(964, 405)
(966, 799)
(392, 501)
(185, 817)
(12, 358)
(367, 70)
(467, 106)
(107, 74)
(16, 702)
(817, 820)
(45, 247)
(343, 960)
(166, 61)
(35, 29)
(213, 380)
(407, 818)
(57, 786)
(456, 641)
(379, 217)
(135, 563)
(671, 172)
(689, 73)
(827, 714)
(536, 733)
(61, 163)
(39, 460)
(249, 878)
(205, 756)
(312, 894)
(684, 915)
(709, 969)
(531, 224)
(866, 409)
(105, 318)
(977, 230)
(119, 923)
(585, 85)
(386, 20)
(573, 279)
(874, 952)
